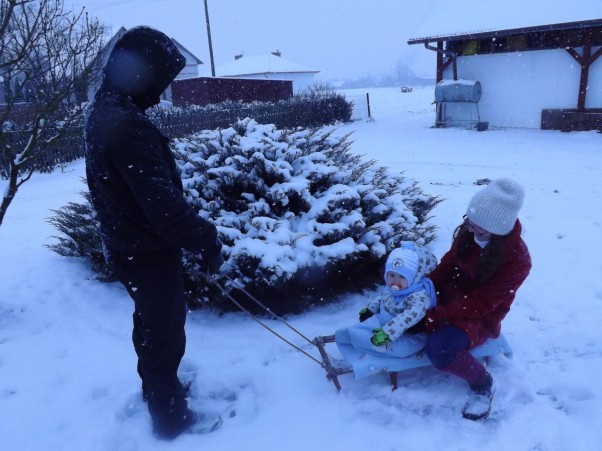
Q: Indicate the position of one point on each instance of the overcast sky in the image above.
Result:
(341, 38)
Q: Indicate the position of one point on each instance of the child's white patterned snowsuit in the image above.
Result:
(395, 311)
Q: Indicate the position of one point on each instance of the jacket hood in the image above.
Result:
(142, 64)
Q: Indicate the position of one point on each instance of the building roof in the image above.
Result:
(457, 19)
(103, 55)
(261, 64)
(185, 50)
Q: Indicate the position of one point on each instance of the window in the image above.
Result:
(528, 41)
(471, 47)
(517, 42)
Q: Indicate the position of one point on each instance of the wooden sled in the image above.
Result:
(491, 347)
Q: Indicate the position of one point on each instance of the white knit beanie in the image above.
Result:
(495, 208)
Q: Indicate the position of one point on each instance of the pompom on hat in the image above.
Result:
(495, 208)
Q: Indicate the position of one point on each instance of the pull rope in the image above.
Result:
(254, 318)
(267, 309)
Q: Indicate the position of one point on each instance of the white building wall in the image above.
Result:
(301, 82)
(191, 70)
(517, 86)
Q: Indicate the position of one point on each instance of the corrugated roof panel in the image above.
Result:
(261, 64)
(447, 18)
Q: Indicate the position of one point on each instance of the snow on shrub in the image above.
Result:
(302, 219)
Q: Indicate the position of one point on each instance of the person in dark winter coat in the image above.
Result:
(145, 220)
(476, 282)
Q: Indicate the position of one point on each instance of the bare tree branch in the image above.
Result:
(46, 56)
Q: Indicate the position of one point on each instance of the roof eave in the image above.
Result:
(274, 73)
(196, 58)
(507, 32)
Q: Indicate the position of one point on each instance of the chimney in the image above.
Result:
(277, 53)
(237, 57)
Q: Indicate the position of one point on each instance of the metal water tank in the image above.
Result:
(458, 91)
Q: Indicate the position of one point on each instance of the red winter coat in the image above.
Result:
(478, 307)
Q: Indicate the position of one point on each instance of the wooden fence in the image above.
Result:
(181, 122)
(67, 148)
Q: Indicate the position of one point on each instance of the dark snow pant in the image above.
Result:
(447, 349)
(155, 282)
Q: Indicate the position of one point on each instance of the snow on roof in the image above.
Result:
(185, 50)
(460, 17)
(261, 64)
(122, 30)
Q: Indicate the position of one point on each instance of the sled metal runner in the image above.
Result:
(492, 347)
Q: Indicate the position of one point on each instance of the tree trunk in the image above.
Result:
(10, 193)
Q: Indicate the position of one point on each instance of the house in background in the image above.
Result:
(538, 65)
(269, 66)
(191, 69)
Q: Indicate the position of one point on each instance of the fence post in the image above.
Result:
(368, 104)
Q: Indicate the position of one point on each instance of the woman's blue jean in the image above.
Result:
(443, 345)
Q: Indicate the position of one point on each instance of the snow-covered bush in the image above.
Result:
(302, 219)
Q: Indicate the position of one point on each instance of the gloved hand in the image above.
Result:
(212, 258)
(380, 337)
(214, 263)
(364, 314)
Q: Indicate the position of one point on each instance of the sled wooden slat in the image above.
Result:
(490, 348)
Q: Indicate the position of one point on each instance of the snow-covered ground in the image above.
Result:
(67, 366)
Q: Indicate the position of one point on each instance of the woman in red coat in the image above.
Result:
(476, 282)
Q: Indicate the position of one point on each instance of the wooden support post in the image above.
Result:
(332, 373)
(393, 375)
(587, 53)
(585, 61)
(439, 62)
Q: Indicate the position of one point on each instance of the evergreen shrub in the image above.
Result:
(303, 220)
(80, 235)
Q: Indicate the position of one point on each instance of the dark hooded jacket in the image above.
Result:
(131, 172)
(476, 307)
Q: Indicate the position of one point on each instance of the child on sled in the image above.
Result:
(371, 345)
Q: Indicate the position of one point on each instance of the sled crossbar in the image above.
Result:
(492, 347)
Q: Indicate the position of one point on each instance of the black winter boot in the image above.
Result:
(182, 390)
(168, 427)
(478, 404)
(188, 422)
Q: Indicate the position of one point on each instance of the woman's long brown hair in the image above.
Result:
(491, 256)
